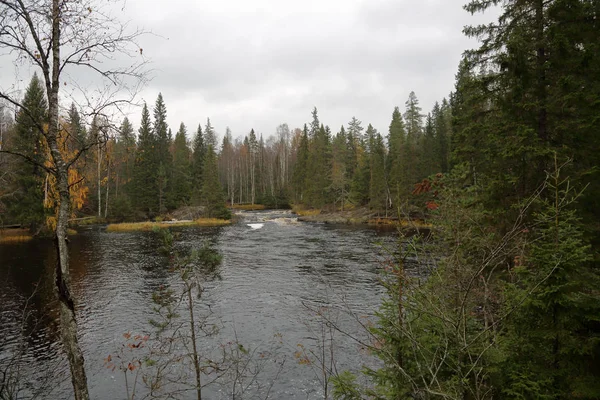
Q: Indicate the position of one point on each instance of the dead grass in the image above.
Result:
(14, 235)
(15, 239)
(148, 225)
(248, 207)
(308, 213)
(383, 221)
(303, 212)
(413, 223)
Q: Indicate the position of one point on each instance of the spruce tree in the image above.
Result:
(145, 172)
(27, 206)
(315, 125)
(210, 137)
(429, 149)
(253, 164)
(124, 157)
(164, 140)
(355, 145)
(551, 339)
(339, 180)
(414, 129)
(529, 90)
(77, 129)
(300, 168)
(213, 198)
(197, 165)
(319, 164)
(396, 164)
(181, 169)
(162, 180)
(442, 116)
(378, 195)
(127, 145)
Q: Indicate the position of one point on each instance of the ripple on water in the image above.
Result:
(273, 281)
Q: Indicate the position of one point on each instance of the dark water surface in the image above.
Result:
(271, 279)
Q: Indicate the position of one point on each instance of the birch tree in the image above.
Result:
(55, 37)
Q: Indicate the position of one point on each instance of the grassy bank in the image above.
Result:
(149, 225)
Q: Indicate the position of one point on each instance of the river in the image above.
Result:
(276, 273)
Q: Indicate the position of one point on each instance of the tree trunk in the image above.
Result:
(541, 72)
(68, 324)
(194, 347)
(252, 179)
(107, 185)
(99, 181)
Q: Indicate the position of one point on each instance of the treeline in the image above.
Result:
(117, 174)
(507, 169)
(352, 167)
(123, 175)
(511, 306)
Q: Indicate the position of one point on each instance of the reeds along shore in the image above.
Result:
(148, 225)
(14, 235)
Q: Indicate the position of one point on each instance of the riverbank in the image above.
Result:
(359, 216)
(268, 278)
(356, 216)
(14, 235)
(150, 225)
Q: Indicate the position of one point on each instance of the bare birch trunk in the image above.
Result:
(252, 179)
(68, 324)
(99, 181)
(241, 183)
(107, 185)
(232, 177)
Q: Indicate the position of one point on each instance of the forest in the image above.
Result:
(135, 177)
(506, 170)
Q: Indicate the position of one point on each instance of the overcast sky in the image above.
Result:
(257, 64)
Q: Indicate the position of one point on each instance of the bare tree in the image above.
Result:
(54, 36)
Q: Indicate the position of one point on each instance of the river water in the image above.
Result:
(275, 276)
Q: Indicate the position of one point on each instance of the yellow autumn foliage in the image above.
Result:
(77, 188)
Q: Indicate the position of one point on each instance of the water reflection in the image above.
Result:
(269, 277)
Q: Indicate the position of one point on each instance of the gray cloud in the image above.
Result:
(261, 63)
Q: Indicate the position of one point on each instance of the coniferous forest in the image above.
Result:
(133, 176)
(504, 172)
